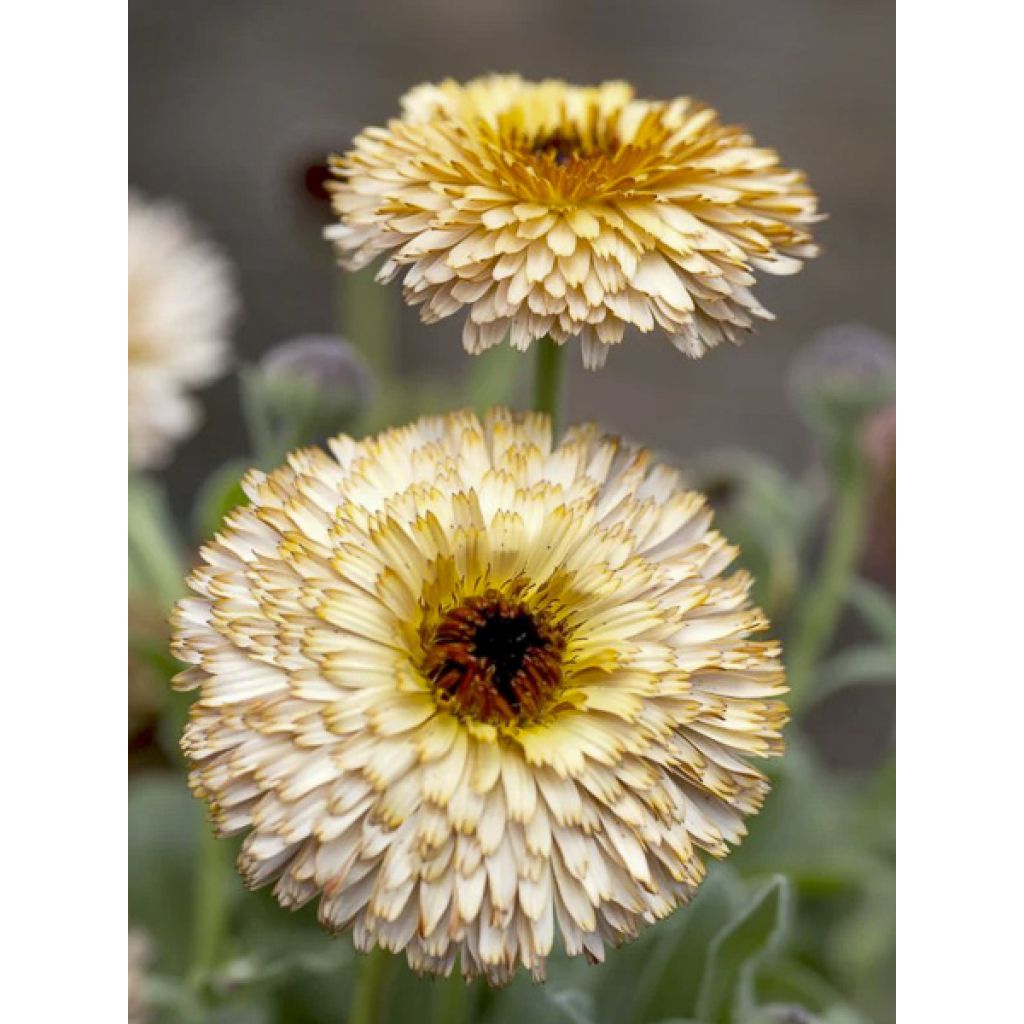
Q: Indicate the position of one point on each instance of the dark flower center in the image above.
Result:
(558, 147)
(569, 145)
(494, 659)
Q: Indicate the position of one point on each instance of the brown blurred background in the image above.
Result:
(233, 100)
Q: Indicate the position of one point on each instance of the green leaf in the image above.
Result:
(324, 955)
(781, 1013)
(249, 1011)
(221, 492)
(876, 606)
(155, 563)
(861, 948)
(803, 830)
(155, 654)
(844, 1014)
(312, 986)
(164, 820)
(568, 997)
(737, 949)
(875, 663)
(171, 724)
(659, 975)
(169, 1000)
(767, 513)
(572, 1006)
(788, 981)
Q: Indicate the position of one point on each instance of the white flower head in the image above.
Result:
(181, 304)
(466, 685)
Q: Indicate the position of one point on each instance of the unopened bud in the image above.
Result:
(326, 363)
(312, 386)
(844, 375)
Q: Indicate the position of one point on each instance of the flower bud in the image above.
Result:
(845, 374)
(311, 386)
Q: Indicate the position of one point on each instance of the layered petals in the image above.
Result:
(427, 815)
(546, 209)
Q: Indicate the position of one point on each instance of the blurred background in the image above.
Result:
(233, 108)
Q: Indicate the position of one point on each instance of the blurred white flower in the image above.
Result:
(138, 960)
(181, 304)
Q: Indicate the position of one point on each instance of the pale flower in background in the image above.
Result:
(181, 305)
(552, 209)
(466, 685)
(138, 960)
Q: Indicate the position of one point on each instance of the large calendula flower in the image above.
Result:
(181, 303)
(465, 685)
(551, 209)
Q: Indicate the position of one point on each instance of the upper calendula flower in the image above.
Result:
(551, 209)
(181, 303)
(464, 684)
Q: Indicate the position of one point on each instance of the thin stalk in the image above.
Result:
(154, 548)
(451, 1003)
(823, 605)
(547, 383)
(367, 315)
(368, 1001)
(210, 905)
(263, 441)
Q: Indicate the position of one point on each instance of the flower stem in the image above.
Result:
(369, 998)
(547, 384)
(262, 439)
(154, 548)
(451, 1004)
(210, 905)
(822, 607)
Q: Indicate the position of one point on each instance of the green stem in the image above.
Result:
(368, 317)
(262, 438)
(451, 1001)
(823, 605)
(154, 548)
(210, 905)
(370, 988)
(547, 384)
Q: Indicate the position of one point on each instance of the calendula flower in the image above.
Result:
(551, 209)
(181, 303)
(466, 685)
